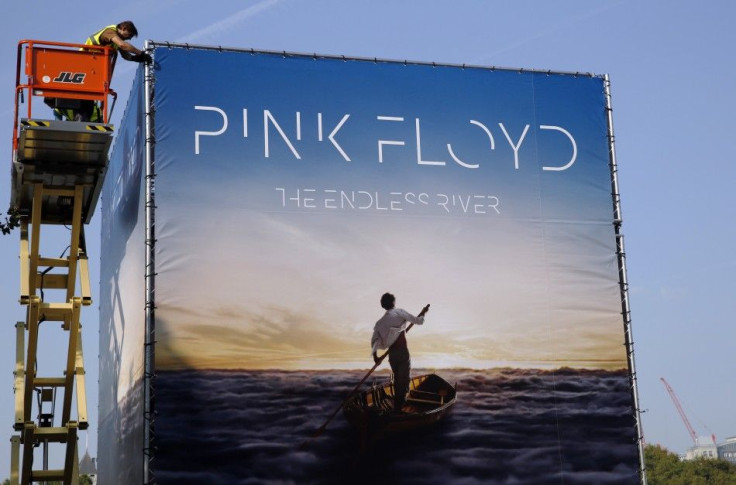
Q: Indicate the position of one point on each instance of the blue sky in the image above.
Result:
(672, 105)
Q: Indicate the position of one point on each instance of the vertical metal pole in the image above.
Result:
(623, 279)
(45, 457)
(14, 459)
(150, 278)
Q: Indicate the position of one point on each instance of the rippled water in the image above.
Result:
(509, 426)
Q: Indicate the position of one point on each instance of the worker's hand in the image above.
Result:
(143, 57)
(376, 359)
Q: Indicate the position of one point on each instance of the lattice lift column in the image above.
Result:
(27, 383)
(57, 174)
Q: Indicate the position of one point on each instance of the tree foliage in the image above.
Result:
(12, 220)
(666, 468)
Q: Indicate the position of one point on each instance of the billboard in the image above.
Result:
(122, 300)
(292, 191)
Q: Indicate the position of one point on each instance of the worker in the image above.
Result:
(390, 332)
(70, 114)
(116, 37)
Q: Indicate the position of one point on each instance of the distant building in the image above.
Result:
(727, 450)
(703, 449)
(87, 466)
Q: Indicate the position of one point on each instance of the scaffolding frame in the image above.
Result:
(623, 279)
(149, 402)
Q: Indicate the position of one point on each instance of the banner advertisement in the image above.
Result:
(122, 300)
(292, 192)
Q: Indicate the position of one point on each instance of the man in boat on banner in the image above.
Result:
(389, 333)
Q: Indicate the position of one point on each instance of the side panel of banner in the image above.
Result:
(122, 332)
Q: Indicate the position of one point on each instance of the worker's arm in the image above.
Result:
(124, 47)
(127, 50)
(376, 344)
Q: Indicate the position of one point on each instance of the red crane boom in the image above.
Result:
(672, 394)
(689, 427)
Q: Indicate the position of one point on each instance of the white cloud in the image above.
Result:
(227, 24)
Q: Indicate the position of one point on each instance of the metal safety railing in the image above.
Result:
(65, 75)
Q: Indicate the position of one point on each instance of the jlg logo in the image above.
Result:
(69, 77)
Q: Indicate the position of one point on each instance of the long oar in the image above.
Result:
(322, 428)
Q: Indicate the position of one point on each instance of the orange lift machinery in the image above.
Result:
(58, 168)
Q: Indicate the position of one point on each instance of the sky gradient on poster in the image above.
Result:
(300, 189)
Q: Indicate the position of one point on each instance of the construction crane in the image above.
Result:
(58, 168)
(683, 416)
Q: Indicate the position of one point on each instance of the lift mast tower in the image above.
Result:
(58, 168)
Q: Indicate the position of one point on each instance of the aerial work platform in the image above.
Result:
(58, 168)
(62, 155)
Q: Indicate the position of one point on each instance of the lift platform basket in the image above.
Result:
(59, 154)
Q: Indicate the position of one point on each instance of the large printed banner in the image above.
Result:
(122, 300)
(293, 191)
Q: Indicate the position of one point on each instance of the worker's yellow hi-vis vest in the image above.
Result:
(94, 39)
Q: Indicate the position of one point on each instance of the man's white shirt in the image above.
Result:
(389, 327)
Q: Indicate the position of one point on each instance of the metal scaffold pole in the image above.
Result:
(150, 276)
(623, 279)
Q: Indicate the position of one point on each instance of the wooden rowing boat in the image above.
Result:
(371, 411)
